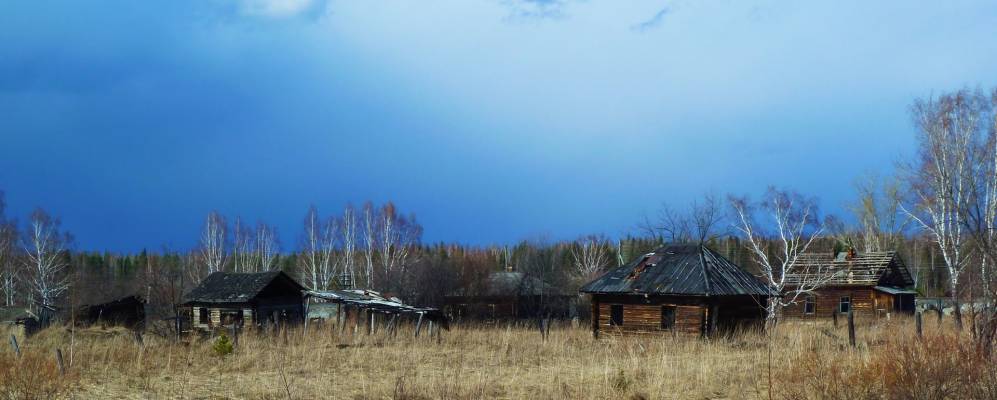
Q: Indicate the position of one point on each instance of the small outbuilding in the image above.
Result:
(224, 299)
(871, 284)
(128, 312)
(679, 288)
(508, 295)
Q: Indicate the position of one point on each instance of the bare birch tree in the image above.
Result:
(396, 237)
(791, 227)
(44, 244)
(267, 247)
(213, 244)
(882, 224)
(369, 241)
(312, 255)
(591, 255)
(940, 180)
(242, 247)
(348, 239)
(980, 216)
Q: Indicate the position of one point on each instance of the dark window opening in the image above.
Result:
(616, 315)
(667, 317)
(202, 315)
(231, 317)
(809, 305)
(845, 305)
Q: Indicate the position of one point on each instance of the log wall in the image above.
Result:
(646, 318)
(866, 303)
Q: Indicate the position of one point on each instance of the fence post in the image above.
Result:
(834, 317)
(418, 325)
(13, 343)
(851, 327)
(917, 323)
(58, 358)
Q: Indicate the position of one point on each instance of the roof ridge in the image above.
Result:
(702, 263)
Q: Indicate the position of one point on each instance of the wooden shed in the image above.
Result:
(678, 288)
(224, 299)
(871, 284)
(509, 295)
(127, 311)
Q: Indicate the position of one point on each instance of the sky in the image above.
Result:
(492, 121)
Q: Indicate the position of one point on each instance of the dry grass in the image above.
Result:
(507, 362)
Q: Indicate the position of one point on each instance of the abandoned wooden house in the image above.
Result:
(872, 284)
(128, 312)
(224, 299)
(508, 295)
(679, 288)
(366, 310)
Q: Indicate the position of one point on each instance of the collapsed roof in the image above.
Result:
(371, 300)
(882, 268)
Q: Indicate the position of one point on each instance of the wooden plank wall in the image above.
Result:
(866, 302)
(646, 318)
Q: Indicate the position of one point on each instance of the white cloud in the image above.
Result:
(281, 8)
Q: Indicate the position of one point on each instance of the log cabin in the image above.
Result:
(224, 299)
(870, 285)
(679, 288)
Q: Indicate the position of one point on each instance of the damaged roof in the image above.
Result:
(233, 287)
(883, 268)
(679, 269)
(369, 299)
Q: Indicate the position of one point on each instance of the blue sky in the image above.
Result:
(493, 121)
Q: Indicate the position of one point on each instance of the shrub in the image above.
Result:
(33, 377)
(222, 346)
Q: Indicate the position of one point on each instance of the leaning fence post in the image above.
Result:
(13, 343)
(917, 324)
(941, 310)
(418, 325)
(58, 358)
(851, 328)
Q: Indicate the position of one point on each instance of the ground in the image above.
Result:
(503, 361)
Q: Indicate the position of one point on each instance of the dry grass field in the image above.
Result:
(809, 360)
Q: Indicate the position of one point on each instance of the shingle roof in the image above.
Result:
(679, 269)
(862, 269)
(231, 287)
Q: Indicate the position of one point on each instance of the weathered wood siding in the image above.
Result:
(646, 318)
(865, 301)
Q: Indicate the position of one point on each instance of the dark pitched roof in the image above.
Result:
(863, 269)
(232, 287)
(509, 284)
(679, 269)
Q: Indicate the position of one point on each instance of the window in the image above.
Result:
(809, 305)
(845, 305)
(667, 317)
(202, 315)
(616, 315)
